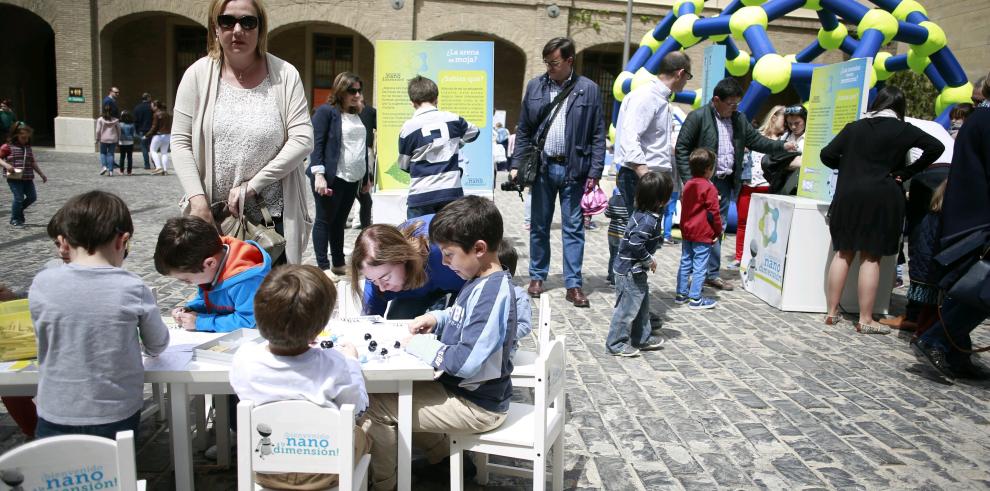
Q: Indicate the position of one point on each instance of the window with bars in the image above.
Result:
(602, 67)
(331, 55)
(190, 45)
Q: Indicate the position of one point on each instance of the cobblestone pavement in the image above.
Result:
(741, 397)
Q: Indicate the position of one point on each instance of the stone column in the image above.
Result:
(76, 65)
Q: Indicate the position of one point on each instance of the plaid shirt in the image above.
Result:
(556, 144)
(725, 160)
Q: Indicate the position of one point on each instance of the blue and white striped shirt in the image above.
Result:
(428, 145)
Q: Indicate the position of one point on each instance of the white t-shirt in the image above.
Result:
(352, 165)
(322, 376)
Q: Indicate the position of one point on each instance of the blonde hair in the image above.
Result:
(381, 244)
(769, 119)
(213, 48)
(938, 196)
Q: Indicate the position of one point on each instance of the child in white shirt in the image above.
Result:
(292, 306)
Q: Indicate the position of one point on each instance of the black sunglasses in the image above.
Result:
(354, 90)
(248, 22)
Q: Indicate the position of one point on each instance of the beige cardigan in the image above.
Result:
(192, 143)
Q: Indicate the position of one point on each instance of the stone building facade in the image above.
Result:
(140, 46)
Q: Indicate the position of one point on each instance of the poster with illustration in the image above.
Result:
(765, 251)
(463, 71)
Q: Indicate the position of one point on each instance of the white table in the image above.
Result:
(394, 376)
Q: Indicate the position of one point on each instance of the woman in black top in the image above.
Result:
(867, 212)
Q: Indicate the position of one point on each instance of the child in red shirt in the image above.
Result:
(701, 225)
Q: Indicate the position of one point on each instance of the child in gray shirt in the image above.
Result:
(91, 318)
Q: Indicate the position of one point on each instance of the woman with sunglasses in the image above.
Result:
(338, 167)
(241, 118)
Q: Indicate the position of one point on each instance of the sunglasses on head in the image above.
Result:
(354, 90)
(793, 110)
(247, 22)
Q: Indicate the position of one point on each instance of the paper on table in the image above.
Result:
(169, 360)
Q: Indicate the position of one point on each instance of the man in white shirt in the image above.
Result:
(644, 127)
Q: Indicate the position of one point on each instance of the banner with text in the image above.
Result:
(714, 71)
(765, 251)
(839, 96)
(463, 71)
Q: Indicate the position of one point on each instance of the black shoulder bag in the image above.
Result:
(531, 163)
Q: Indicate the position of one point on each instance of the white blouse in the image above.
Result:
(352, 165)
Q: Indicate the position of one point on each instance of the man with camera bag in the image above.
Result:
(560, 147)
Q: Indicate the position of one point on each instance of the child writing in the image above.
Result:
(701, 225)
(91, 378)
(293, 305)
(107, 135)
(227, 271)
(469, 350)
(428, 144)
(630, 330)
(509, 258)
(19, 167)
(126, 141)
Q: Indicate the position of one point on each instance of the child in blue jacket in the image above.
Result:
(228, 272)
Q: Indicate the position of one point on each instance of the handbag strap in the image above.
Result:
(265, 214)
(555, 105)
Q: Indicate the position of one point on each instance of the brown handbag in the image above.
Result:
(264, 234)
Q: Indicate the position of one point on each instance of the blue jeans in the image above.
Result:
(960, 319)
(724, 187)
(24, 196)
(545, 189)
(668, 216)
(419, 211)
(145, 145)
(631, 319)
(694, 257)
(107, 156)
(109, 430)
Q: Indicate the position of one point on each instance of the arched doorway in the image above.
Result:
(320, 51)
(27, 62)
(148, 52)
(601, 63)
(510, 70)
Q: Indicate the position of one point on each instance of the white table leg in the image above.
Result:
(405, 435)
(221, 426)
(181, 444)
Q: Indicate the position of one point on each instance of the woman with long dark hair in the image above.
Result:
(867, 212)
(337, 167)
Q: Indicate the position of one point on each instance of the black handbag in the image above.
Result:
(973, 287)
(531, 161)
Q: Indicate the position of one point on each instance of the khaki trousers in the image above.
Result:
(435, 411)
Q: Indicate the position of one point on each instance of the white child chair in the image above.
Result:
(528, 431)
(298, 436)
(72, 461)
(524, 362)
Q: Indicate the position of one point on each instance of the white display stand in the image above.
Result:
(390, 206)
(801, 226)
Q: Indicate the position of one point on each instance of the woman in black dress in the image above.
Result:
(867, 213)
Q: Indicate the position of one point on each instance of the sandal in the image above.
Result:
(871, 328)
(831, 320)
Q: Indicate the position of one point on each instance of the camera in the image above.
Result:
(510, 185)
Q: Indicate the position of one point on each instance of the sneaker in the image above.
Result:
(681, 299)
(703, 303)
(653, 343)
(103, 171)
(733, 266)
(628, 352)
(669, 241)
(935, 357)
(17, 224)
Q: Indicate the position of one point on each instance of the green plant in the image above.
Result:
(919, 93)
(589, 18)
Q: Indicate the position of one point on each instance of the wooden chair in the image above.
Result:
(298, 436)
(528, 431)
(72, 461)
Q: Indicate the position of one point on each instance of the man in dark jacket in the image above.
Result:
(142, 124)
(111, 100)
(727, 132)
(573, 155)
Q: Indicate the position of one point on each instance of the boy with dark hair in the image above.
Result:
(227, 271)
(428, 145)
(91, 377)
(630, 330)
(508, 257)
(293, 305)
(469, 347)
(701, 226)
